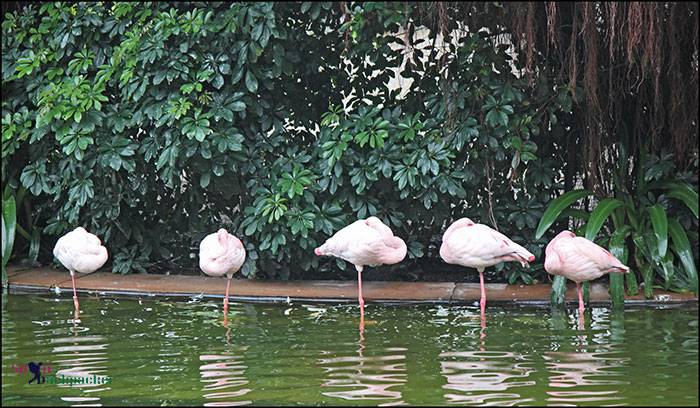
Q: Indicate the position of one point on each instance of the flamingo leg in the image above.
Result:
(228, 283)
(362, 325)
(360, 299)
(483, 292)
(75, 293)
(580, 297)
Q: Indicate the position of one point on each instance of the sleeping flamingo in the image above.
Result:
(80, 251)
(579, 259)
(478, 246)
(364, 242)
(221, 254)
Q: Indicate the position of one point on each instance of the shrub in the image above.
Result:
(154, 124)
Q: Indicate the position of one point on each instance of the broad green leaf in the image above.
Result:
(251, 82)
(599, 215)
(632, 287)
(685, 193)
(619, 250)
(660, 224)
(556, 207)
(681, 246)
(558, 296)
(34, 245)
(9, 222)
(648, 275)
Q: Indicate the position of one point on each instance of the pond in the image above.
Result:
(176, 352)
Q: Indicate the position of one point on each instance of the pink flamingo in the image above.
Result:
(580, 260)
(479, 246)
(364, 242)
(221, 254)
(80, 251)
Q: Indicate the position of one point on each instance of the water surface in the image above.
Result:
(177, 352)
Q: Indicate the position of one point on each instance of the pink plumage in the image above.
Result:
(365, 242)
(80, 251)
(579, 259)
(221, 254)
(362, 243)
(478, 246)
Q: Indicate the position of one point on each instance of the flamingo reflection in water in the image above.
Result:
(223, 376)
(576, 375)
(485, 378)
(591, 372)
(83, 358)
(366, 378)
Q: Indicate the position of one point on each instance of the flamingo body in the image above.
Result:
(221, 254)
(478, 246)
(364, 242)
(580, 260)
(80, 251)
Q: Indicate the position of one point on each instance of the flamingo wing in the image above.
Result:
(594, 253)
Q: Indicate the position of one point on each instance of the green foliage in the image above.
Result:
(154, 125)
(9, 222)
(640, 229)
(556, 207)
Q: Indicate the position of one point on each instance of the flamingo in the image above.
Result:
(80, 251)
(479, 246)
(579, 259)
(364, 242)
(221, 254)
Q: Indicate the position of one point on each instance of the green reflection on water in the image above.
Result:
(172, 352)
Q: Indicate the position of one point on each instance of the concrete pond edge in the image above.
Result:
(48, 281)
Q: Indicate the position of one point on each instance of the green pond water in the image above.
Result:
(175, 352)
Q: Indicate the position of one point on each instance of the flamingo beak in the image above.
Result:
(317, 251)
(532, 258)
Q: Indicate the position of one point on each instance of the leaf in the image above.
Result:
(556, 207)
(218, 81)
(619, 250)
(251, 82)
(9, 223)
(204, 179)
(599, 215)
(558, 295)
(685, 193)
(35, 244)
(682, 248)
(660, 224)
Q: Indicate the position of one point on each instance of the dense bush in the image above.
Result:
(153, 124)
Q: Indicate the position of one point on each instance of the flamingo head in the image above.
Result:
(466, 222)
(565, 234)
(373, 221)
(550, 246)
(222, 235)
(318, 251)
